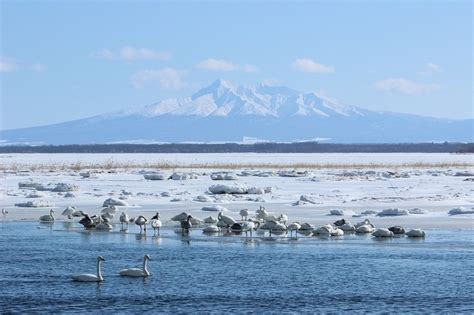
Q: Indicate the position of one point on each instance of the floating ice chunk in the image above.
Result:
(35, 204)
(183, 216)
(392, 212)
(69, 195)
(64, 187)
(214, 208)
(223, 176)
(114, 202)
(336, 212)
(461, 210)
(293, 173)
(157, 176)
(308, 199)
(227, 189)
(464, 173)
(417, 211)
(183, 176)
(203, 198)
(35, 195)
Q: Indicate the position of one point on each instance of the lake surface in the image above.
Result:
(233, 274)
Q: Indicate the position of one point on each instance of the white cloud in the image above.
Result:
(217, 65)
(212, 64)
(166, 78)
(405, 86)
(7, 65)
(431, 68)
(131, 53)
(104, 54)
(310, 66)
(39, 67)
(249, 68)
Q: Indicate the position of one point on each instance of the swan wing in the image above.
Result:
(85, 277)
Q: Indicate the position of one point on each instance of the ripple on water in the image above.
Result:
(231, 274)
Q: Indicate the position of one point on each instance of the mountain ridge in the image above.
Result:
(224, 111)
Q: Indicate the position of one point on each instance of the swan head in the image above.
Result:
(100, 258)
(147, 257)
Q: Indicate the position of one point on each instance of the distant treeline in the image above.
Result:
(297, 147)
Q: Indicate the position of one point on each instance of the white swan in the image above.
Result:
(383, 233)
(347, 227)
(283, 218)
(124, 218)
(295, 226)
(109, 210)
(156, 223)
(103, 226)
(365, 229)
(87, 277)
(69, 211)
(210, 220)
(306, 227)
(141, 221)
(137, 272)
(211, 229)
(226, 219)
(4, 212)
(48, 217)
(416, 233)
(244, 213)
(273, 226)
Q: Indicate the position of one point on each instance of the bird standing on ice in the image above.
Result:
(156, 223)
(141, 221)
(186, 225)
(124, 218)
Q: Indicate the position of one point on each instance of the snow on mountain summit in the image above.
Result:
(225, 99)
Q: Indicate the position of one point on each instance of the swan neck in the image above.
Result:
(99, 273)
(145, 267)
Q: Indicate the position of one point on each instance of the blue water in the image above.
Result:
(230, 274)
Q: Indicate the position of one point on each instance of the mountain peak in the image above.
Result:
(217, 88)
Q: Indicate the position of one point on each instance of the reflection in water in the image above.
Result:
(218, 274)
(68, 225)
(140, 237)
(156, 239)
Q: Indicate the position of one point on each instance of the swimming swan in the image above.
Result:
(137, 272)
(87, 277)
(48, 217)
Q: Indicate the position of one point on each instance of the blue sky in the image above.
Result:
(62, 61)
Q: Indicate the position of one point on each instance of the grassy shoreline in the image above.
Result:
(114, 165)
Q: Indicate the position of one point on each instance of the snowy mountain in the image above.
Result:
(227, 112)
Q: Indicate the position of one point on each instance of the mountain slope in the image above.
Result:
(226, 112)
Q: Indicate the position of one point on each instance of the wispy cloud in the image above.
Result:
(405, 86)
(431, 68)
(131, 54)
(39, 67)
(166, 78)
(212, 64)
(310, 66)
(7, 65)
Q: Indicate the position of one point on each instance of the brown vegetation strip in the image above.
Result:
(113, 165)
